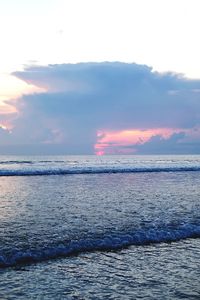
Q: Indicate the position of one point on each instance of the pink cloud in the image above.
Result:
(114, 142)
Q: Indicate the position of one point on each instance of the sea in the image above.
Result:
(100, 227)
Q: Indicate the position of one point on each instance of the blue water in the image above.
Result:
(113, 227)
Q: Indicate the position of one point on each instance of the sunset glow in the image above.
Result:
(104, 87)
(6, 127)
(12, 88)
(123, 142)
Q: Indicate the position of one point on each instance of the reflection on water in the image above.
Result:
(13, 197)
(43, 217)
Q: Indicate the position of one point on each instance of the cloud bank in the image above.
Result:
(84, 102)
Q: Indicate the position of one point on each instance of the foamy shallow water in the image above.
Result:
(160, 271)
(101, 236)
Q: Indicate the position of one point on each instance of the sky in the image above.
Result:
(99, 77)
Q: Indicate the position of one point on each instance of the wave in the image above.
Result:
(94, 170)
(15, 162)
(20, 162)
(115, 241)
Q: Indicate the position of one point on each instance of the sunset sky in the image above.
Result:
(99, 77)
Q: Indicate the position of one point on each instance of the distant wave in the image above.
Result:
(20, 162)
(93, 170)
(13, 162)
(106, 243)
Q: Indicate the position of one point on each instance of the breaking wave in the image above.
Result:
(93, 170)
(105, 243)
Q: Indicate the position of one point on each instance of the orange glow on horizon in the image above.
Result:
(123, 142)
(100, 153)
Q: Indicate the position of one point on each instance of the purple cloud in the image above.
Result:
(81, 99)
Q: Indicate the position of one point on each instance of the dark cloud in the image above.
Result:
(86, 97)
(172, 145)
(159, 145)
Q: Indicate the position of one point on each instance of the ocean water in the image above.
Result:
(89, 227)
